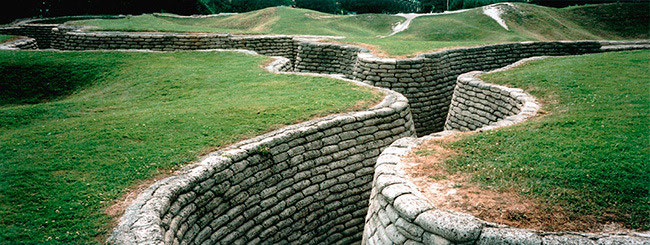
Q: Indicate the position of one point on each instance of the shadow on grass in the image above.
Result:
(32, 83)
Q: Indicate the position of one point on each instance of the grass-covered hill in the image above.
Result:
(78, 128)
(276, 20)
(526, 22)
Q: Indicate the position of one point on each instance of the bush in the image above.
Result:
(327, 6)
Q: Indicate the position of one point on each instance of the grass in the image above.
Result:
(89, 125)
(589, 152)
(277, 20)
(526, 22)
(4, 38)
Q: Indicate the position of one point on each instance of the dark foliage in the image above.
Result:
(48, 8)
(327, 6)
(379, 6)
(442, 5)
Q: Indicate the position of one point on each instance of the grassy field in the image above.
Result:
(77, 129)
(276, 20)
(589, 152)
(526, 23)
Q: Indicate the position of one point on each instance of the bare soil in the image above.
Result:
(118, 206)
(454, 191)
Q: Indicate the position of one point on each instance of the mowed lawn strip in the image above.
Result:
(77, 129)
(588, 152)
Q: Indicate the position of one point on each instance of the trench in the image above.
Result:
(308, 183)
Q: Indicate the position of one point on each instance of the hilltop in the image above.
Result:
(525, 22)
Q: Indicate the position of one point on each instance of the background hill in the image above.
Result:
(525, 22)
(51, 8)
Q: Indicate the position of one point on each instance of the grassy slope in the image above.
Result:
(459, 29)
(277, 20)
(589, 154)
(124, 118)
(527, 23)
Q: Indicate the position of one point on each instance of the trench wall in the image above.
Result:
(305, 184)
(327, 58)
(42, 33)
(22, 43)
(428, 81)
(400, 214)
(475, 104)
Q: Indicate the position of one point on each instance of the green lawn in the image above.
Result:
(527, 22)
(77, 129)
(589, 154)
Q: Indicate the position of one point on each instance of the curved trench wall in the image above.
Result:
(400, 214)
(305, 184)
(476, 104)
(428, 80)
(42, 33)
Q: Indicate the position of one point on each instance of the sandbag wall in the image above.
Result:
(400, 214)
(42, 33)
(327, 58)
(476, 104)
(305, 184)
(428, 80)
(272, 45)
(80, 40)
(21, 43)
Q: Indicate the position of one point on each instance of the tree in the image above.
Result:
(327, 6)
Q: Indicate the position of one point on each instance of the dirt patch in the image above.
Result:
(455, 191)
(119, 205)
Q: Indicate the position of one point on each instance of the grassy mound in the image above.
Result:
(526, 22)
(125, 118)
(275, 20)
(588, 154)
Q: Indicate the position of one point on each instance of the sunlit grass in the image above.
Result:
(77, 129)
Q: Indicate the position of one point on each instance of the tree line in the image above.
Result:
(49, 8)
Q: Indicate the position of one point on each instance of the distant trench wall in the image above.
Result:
(41, 33)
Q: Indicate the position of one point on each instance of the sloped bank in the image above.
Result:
(400, 214)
